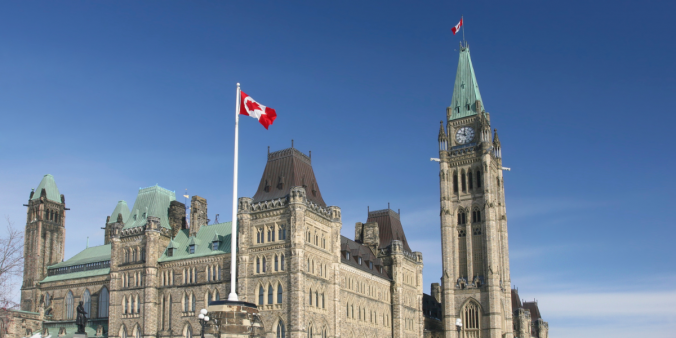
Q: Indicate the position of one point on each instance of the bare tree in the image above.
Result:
(11, 265)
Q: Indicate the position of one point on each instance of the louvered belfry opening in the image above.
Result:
(286, 169)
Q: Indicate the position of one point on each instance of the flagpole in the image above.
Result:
(233, 235)
(462, 19)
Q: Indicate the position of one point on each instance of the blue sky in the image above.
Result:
(112, 96)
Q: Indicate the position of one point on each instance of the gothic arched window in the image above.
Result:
(271, 294)
(70, 314)
(281, 331)
(470, 180)
(471, 320)
(47, 299)
(282, 262)
(276, 263)
(478, 178)
(261, 295)
(462, 181)
(264, 265)
(87, 300)
(258, 265)
(455, 181)
(280, 292)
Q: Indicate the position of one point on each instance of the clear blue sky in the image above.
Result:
(112, 96)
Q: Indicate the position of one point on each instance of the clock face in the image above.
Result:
(464, 135)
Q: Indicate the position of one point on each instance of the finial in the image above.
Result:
(388, 205)
(268, 150)
(368, 208)
(399, 212)
(310, 154)
(87, 242)
(237, 84)
(291, 143)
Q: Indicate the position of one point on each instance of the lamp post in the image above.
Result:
(458, 325)
(204, 319)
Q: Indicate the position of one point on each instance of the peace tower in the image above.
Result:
(475, 258)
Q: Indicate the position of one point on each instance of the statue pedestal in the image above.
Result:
(233, 320)
(80, 335)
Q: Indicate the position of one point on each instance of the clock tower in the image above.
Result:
(475, 281)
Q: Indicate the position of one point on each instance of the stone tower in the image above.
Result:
(44, 238)
(475, 258)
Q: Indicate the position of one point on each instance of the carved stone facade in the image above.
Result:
(476, 283)
(154, 273)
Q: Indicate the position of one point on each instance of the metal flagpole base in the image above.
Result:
(233, 297)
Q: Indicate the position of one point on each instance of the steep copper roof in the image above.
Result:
(285, 169)
(534, 310)
(516, 301)
(389, 227)
(357, 250)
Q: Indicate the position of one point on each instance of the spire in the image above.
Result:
(442, 133)
(121, 209)
(51, 190)
(496, 139)
(466, 94)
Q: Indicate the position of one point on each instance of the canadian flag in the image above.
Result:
(457, 27)
(264, 115)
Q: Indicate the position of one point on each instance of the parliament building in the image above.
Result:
(160, 265)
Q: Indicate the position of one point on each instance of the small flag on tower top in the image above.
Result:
(264, 115)
(457, 27)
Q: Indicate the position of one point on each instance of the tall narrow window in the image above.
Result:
(462, 182)
(70, 314)
(281, 331)
(258, 265)
(261, 295)
(462, 252)
(186, 302)
(280, 292)
(258, 235)
(271, 294)
(470, 319)
(264, 265)
(470, 180)
(455, 181)
(498, 180)
(478, 178)
(273, 234)
(282, 262)
(276, 263)
(477, 252)
(192, 296)
(269, 234)
(310, 297)
(47, 300)
(87, 300)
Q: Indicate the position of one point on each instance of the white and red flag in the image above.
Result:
(457, 27)
(264, 115)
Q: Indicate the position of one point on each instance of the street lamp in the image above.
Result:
(458, 325)
(204, 319)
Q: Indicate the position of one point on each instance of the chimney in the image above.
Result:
(371, 236)
(436, 292)
(198, 214)
(358, 232)
(177, 219)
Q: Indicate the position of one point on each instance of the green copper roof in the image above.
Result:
(92, 254)
(466, 89)
(151, 201)
(120, 208)
(79, 274)
(49, 185)
(202, 242)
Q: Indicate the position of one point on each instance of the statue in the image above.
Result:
(81, 320)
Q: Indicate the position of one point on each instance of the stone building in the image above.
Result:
(476, 282)
(154, 272)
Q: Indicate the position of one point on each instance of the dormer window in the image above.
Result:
(347, 255)
(371, 265)
(359, 260)
(215, 244)
(191, 248)
(381, 269)
(170, 252)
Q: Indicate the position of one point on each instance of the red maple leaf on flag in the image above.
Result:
(251, 105)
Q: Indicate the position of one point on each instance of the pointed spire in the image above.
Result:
(442, 133)
(48, 184)
(466, 96)
(496, 139)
